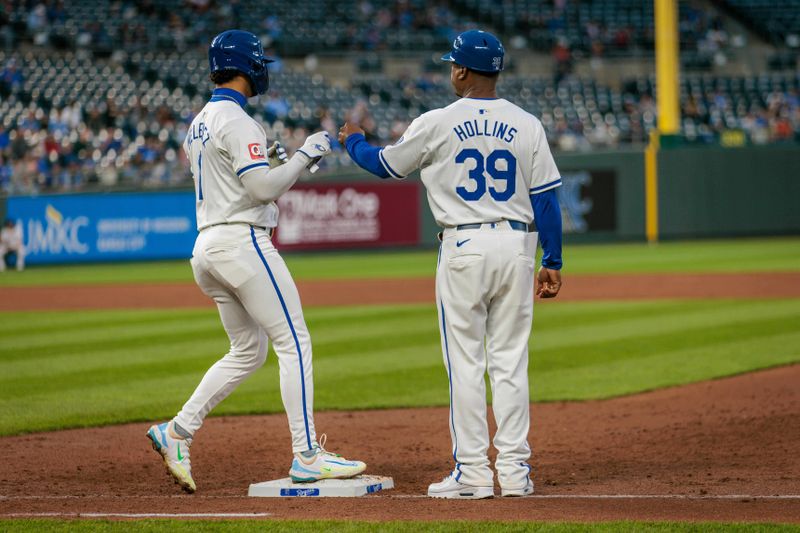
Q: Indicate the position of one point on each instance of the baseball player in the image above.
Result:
(237, 181)
(11, 241)
(487, 169)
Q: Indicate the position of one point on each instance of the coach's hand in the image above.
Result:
(548, 282)
(317, 145)
(347, 130)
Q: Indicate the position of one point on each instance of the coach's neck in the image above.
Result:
(471, 84)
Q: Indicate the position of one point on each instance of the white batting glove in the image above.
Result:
(276, 155)
(317, 145)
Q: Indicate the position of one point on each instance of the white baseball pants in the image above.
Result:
(239, 268)
(484, 288)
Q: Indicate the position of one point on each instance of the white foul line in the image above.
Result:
(670, 496)
(632, 496)
(389, 496)
(138, 515)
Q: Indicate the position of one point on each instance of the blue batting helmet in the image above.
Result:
(241, 51)
(477, 50)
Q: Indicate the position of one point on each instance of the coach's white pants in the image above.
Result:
(484, 287)
(241, 270)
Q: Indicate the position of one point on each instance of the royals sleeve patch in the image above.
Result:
(256, 151)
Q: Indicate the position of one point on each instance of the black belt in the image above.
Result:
(270, 231)
(513, 224)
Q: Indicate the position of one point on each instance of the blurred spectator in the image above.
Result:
(11, 242)
(276, 107)
(11, 76)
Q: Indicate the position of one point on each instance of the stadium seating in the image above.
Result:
(293, 28)
(132, 115)
(776, 21)
(106, 94)
(606, 27)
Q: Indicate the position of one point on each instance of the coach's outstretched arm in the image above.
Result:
(364, 154)
(547, 214)
(267, 184)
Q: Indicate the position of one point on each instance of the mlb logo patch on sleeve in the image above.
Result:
(256, 152)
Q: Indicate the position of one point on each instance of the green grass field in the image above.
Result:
(744, 255)
(64, 369)
(72, 369)
(67, 369)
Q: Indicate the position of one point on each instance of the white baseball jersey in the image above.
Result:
(479, 159)
(235, 263)
(11, 238)
(223, 144)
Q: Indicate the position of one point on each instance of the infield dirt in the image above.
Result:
(725, 450)
(696, 447)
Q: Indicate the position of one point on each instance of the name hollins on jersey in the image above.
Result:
(483, 128)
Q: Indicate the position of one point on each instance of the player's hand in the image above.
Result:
(548, 282)
(347, 130)
(317, 145)
(276, 155)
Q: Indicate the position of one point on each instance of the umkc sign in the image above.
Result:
(55, 234)
(72, 228)
(105, 227)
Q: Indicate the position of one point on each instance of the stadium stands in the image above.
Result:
(293, 28)
(597, 27)
(777, 21)
(102, 92)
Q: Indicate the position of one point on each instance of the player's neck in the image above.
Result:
(238, 84)
(479, 92)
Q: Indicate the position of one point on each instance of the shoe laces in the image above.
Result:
(321, 446)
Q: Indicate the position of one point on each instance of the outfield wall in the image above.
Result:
(722, 192)
(703, 193)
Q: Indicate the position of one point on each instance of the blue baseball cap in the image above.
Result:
(477, 50)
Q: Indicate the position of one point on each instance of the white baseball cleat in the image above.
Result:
(450, 488)
(175, 453)
(527, 490)
(323, 465)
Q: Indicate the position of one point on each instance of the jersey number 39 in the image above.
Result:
(506, 171)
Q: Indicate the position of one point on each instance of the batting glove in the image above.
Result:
(316, 146)
(276, 155)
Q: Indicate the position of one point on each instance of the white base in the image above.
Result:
(336, 488)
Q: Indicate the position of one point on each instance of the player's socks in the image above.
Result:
(180, 432)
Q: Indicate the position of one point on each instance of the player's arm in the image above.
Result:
(547, 214)
(269, 183)
(245, 144)
(364, 154)
(396, 161)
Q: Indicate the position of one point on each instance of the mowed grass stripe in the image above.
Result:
(379, 357)
(662, 368)
(212, 342)
(712, 323)
(33, 322)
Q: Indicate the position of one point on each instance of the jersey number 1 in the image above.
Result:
(488, 165)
